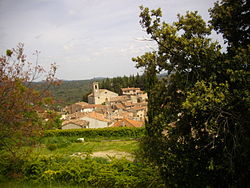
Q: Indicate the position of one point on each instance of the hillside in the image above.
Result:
(72, 91)
(68, 92)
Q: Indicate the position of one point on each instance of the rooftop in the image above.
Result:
(125, 122)
(130, 88)
(97, 116)
(79, 122)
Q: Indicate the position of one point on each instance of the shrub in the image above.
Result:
(90, 171)
(53, 143)
(110, 132)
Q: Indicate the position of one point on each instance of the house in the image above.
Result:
(131, 91)
(139, 113)
(93, 107)
(76, 107)
(75, 115)
(100, 96)
(120, 114)
(142, 97)
(75, 124)
(125, 122)
(119, 99)
(96, 120)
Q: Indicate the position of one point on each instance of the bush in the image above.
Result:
(90, 171)
(53, 143)
(110, 132)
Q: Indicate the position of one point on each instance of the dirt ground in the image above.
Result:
(109, 154)
(113, 153)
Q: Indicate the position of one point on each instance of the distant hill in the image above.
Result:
(69, 91)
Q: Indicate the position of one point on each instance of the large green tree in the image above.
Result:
(198, 117)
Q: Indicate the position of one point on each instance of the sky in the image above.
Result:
(86, 38)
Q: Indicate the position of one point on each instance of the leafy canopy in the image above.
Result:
(198, 117)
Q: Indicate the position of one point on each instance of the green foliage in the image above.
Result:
(89, 172)
(67, 92)
(110, 132)
(9, 52)
(206, 97)
(22, 109)
(198, 118)
(126, 146)
(231, 18)
(115, 84)
(57, 142)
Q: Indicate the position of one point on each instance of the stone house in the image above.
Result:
(120, 114)
(131, 91)
(96, 120)
(100, 96)
(139, 113)
(75, 124)
(76, 107)
(75, 115)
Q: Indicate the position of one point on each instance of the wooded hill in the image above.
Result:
(69, 92)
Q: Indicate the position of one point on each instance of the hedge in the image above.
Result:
(100, 132)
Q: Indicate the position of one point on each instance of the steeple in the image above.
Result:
(95, 89)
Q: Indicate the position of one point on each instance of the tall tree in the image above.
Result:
(197, 129)
(22, 109)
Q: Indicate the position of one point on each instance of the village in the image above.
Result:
(107, 109)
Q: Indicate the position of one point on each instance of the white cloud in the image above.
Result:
(85, 38)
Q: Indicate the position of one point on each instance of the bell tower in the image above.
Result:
(95, 89)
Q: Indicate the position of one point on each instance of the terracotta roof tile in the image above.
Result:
(97, 116)
(75, 115)
(119, 98)
(79, 122)
(125, 122)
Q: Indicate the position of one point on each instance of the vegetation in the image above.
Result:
(198, 119)
(60, 159)
(109, 132)
(67, 92)
(22, 109)
(88, 171)
(197, 133)
(67, 146)
(72, 164)
(115, 84)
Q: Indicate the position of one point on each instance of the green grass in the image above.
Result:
(129, 146)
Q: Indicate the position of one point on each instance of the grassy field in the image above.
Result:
(67, 146)
(64, 162)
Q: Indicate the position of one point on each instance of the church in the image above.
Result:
(100, 96)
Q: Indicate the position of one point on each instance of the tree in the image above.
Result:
(231, 18)
(23, 110)
(198, 117)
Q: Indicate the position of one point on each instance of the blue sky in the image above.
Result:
(85, 38)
